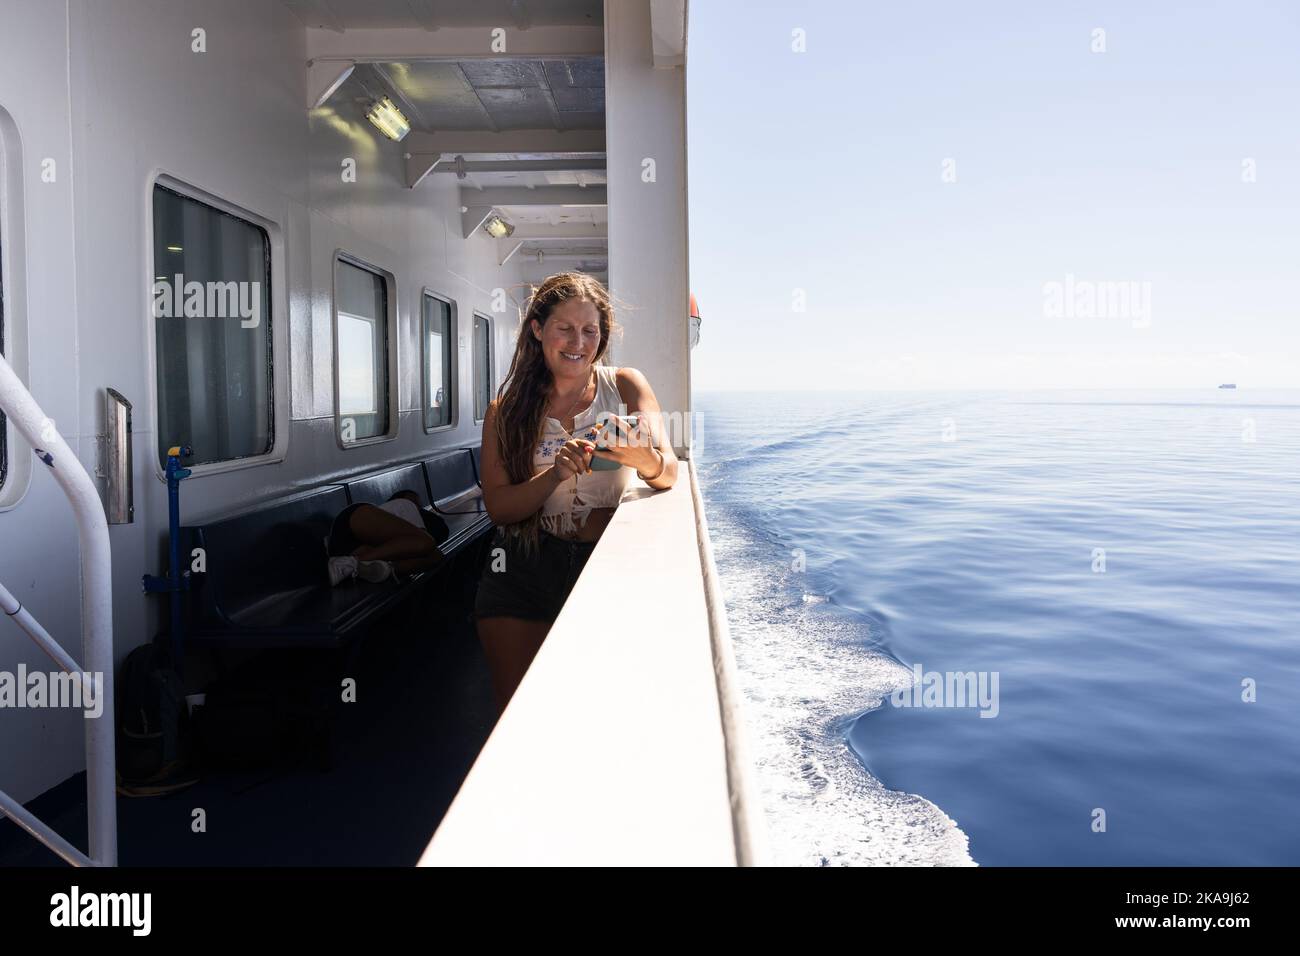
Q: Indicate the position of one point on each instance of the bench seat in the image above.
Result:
(266, 581)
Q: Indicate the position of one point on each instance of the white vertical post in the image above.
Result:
(96, 603)
(645, 117)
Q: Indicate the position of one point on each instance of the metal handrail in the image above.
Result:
(96, 627)
(748, 825)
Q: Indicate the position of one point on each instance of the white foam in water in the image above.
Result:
(805, 678)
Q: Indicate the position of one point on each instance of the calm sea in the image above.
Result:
(1117, 572)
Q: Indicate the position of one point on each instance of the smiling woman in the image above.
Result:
(311, 308)
(539, 486)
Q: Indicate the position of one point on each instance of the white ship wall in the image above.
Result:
(112, 92)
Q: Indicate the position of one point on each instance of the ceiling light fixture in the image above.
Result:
(388, 119)
(497, 227)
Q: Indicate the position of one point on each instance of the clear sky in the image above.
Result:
(1102, 172)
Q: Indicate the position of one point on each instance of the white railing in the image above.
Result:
(624, 744)
(96, 629)
(746, 806)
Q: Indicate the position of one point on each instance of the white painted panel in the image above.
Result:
(114, 93)
(648, 255)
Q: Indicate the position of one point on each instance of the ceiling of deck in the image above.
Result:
(434, 14)
(499, 95)
(446, 95)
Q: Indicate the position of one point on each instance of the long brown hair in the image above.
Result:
(522, 397)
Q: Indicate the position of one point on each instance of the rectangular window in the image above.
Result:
(212, 321)
(438, 330)
(361, 351)
(483, 383)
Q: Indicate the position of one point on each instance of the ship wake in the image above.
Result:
(806, 676)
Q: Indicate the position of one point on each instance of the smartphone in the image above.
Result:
(606, 464)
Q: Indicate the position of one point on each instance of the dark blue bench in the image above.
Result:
(266, 583)
(475, 454)
(377, 488)
(455, 493)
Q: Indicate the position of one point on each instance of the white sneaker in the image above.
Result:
(342, 568)
(375, 571)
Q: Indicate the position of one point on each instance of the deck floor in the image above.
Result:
(424, 710)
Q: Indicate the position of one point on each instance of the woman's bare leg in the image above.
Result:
(510, 644)
(386, 537)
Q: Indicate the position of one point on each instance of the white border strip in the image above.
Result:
(746, 808)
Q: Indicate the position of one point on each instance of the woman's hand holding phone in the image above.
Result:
(632, 443)
(574, 458)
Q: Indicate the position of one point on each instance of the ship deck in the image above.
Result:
(423, 711)
(622, 744)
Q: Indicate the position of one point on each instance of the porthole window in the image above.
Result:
(483, 384)
(438, 331)
(212, 330)
(363, 317)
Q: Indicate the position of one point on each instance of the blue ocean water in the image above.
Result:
(1126, 563)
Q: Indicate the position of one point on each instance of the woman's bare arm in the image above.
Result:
(635, 390)
(508, 503)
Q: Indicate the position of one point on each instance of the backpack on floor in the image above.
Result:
(154, 735)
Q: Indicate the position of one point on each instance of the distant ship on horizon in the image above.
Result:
(1228, 385)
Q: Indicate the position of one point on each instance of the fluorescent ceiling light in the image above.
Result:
(497, 227)
(388, 118)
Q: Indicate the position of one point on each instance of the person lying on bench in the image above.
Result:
(375, 543)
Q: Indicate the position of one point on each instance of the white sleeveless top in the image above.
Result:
(564, 511)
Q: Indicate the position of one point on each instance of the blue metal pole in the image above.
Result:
(175, 473)
(176, 580)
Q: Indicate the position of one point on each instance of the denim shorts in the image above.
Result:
(533, 588)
